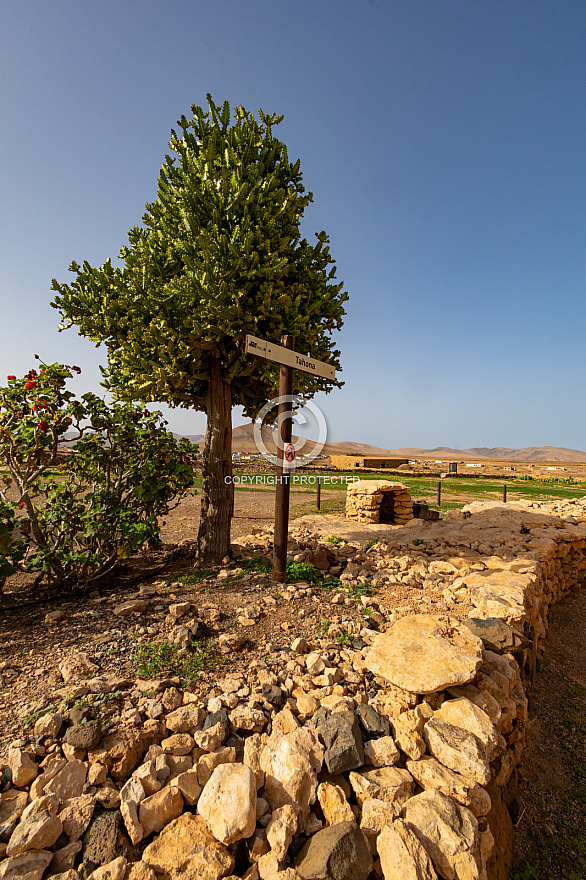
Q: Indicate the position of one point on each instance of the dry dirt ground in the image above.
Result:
(551, 831)
(551, 827)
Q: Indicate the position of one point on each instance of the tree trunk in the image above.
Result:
(217, 501)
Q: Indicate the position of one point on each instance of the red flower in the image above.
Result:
(21, 505)
(36, 357)
(42, 426)
(145, 412)
(11, 377)
(30, 385)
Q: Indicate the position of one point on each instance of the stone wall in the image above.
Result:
(365, 499)
(391, 756)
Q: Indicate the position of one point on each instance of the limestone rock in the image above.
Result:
(45, 802)
(291, 765)
(132, 794)
(114, 870)
(49, 724)
(212, 738)
(456, 749)
(402, 856)
(381, 752)
(159, 809)
(30, 865)
(462, 713)
(122, 751)
(12, 805)
(69, 782)
(64, 857)
(178, 744)
(125, 609)
(186, 850)
(449, 834)
(389, 784)
(334, 804)
(430, 774)
(374, 817)
(422, 654)
(140, 871)
(281, 829)
(408, 728)
(228, 803)
(22, 766)
(185, 719)
(37, 832)
(76, 815)
(188, 785)
(339, 852)
(76, 667)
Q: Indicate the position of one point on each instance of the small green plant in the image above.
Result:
(357, 590)
(191, 578)
(417, 542)
(343, 639)
(324, 627)
(332, 539)
(369, 544)
(256, 564)
(155, 657)
(303, 571)
(331, 583)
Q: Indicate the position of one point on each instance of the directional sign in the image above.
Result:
(280, 355)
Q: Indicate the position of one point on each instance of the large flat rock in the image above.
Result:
(422, 654)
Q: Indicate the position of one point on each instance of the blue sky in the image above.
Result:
(444, 142)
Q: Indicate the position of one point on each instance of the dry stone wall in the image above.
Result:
(393, 756)
(366, 501)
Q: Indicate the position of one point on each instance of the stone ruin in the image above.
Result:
(379, 501)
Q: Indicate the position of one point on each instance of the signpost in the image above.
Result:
(283, 354)
(289, 360)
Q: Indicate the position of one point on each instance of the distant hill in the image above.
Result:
(243, 441)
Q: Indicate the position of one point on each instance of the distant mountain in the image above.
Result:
(243, 441)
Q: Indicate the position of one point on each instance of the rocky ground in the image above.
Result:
(133, 699)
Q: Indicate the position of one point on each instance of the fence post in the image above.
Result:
(504, 492)
(439, 493)
(318, 500)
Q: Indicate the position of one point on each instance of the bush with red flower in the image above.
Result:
(72, 520)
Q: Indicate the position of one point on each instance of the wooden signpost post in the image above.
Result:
(289, 360)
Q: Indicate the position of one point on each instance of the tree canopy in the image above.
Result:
(219, 255)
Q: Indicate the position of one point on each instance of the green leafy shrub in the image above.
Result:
(81, 512)
(155, 657)
(303, 571)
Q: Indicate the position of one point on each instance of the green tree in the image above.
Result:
(219, 255)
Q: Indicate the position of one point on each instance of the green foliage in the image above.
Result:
(219, 255)
(101, 503)
(369, 544)
(12, 549)
(256, 564)
(343, 639)
(331, 583)
(418, 542)
(332, 539)
(303, 571)
(153, 658)
(358, 590)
